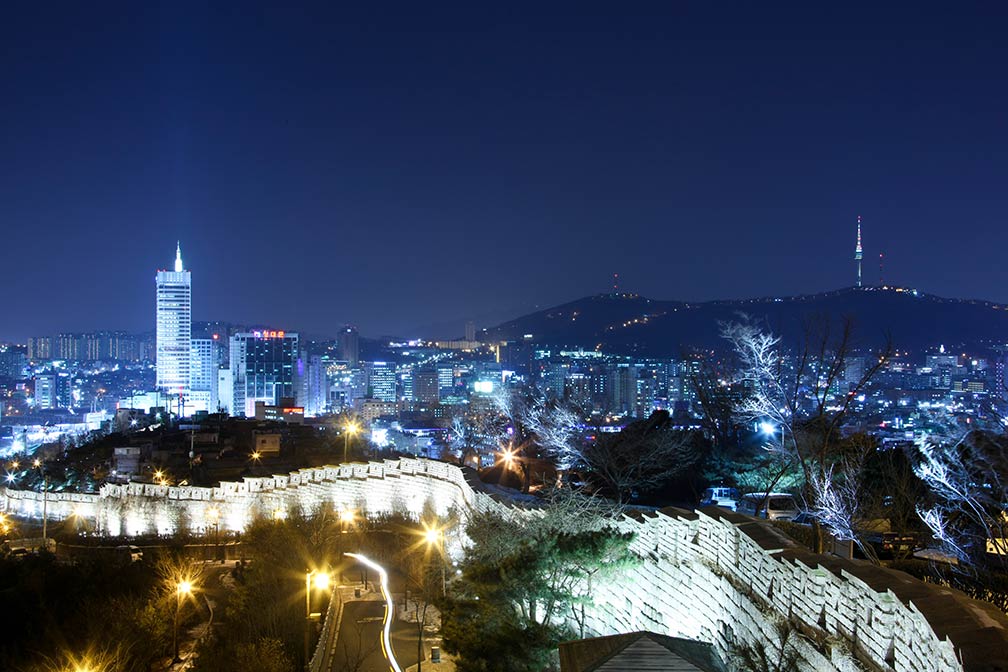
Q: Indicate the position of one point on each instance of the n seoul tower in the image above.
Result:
(857, 251)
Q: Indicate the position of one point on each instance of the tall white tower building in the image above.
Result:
(857, 251)
(174, 330)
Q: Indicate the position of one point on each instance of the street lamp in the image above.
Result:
(321, 582)
(183, 587)
(770, 429)
(346, 517)
(213, 513)
(349, 430)
(45, 502)
(434, 536)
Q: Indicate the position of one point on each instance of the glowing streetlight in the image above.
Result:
(349, 429)
(434, 536)
(183, 588)
(508, 456)
(346, 516)
(37, 463)
(256, 455)
(767, 428)
(321, 582)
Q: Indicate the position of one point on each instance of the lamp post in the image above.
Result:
(321, 581)
(346, 517)
(182, 588)
(435, 539)
(349, 430)
(213, 513)
(45, 501)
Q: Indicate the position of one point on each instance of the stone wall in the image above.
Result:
(709, 575)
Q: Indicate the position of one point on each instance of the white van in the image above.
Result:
(129, 554)
(719, 495)
(775, 506)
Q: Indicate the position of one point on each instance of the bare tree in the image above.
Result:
(803, 401)
(966, 476)
(644, 455)
(355, 646)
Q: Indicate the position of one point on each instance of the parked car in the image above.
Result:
(719, 495)
(879, 535)
(773, 506)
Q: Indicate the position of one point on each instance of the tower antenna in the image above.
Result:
(881, 278)
(858, 252)
(615, 283)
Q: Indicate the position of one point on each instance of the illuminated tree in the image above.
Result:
(515, 600)
(804, 400)
(966, 475)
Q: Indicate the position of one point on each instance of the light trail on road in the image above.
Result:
(386, 641)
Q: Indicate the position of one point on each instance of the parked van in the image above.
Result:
(726, 498)
(775, 506)
(129, 554)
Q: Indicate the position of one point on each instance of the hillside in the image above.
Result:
(633, 324)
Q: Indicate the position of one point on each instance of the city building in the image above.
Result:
(381, 381)
(348, 344)
(426, 386)
(264, 368)
(203, 380)
(40, 348)
(174, 329)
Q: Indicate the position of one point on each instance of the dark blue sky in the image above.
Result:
(424, 163)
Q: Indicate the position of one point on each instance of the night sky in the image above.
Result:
(423, 164)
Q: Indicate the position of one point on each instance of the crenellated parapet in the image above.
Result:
(710, 575)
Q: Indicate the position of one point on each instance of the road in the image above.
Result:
(359, 648)
(369, 638)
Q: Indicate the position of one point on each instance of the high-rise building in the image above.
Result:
(53, 390)
(623, 388)
(348, 341)
(264, 368)
(381, 381)
(470, 331)
(68, 347)
(174, 328)
(858, 252)
(203, 382)
(40, 348)
(314, 397)
(426, 386)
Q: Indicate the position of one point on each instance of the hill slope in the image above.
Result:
(633, 324)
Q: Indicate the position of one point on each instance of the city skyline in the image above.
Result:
(680, 149)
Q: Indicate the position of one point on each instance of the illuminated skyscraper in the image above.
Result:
(203, 378)
(857, 251)
(263, 368)
(381, 381)
(174, 328)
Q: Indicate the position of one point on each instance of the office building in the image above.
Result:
(174, 329)
(381, 381)
(203, 366)
(264, 368)
(425, 386)
(348, 342)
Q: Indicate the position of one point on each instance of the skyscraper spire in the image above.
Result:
(178, 255)
(858, 251)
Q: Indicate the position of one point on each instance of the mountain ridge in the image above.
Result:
(634, 324)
